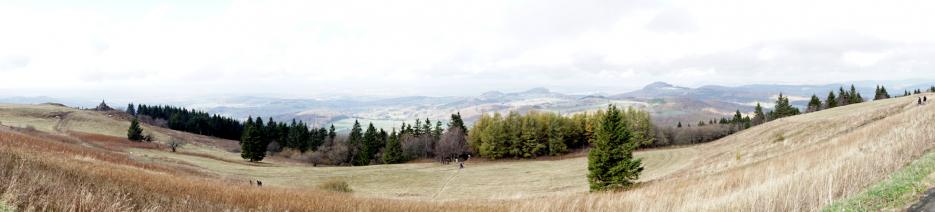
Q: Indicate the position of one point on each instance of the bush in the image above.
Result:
(335, 185)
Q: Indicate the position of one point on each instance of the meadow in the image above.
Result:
(799, 163)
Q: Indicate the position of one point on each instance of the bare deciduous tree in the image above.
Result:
(452, 145)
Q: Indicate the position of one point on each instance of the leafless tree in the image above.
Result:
(453, 144)
(175, 143)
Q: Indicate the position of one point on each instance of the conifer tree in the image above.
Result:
(331, 133)
(393, 151)
(854, 96)
(783, 108)
(355, 144)
(427, 128)
(814, 104)
(843, 97)
(611, 164)
(758, 116)
(252, 147)
(135, 132)
(456, 121)
(831, 101)
(131, 110)
(368, 146)
(437, 133)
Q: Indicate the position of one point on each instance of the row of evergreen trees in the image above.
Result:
(259, 137)
(190, 120)
(544, 133)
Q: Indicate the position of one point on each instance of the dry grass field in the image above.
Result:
(801, 163)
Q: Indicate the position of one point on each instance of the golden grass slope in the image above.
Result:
(800, 163)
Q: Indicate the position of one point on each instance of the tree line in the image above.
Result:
(370, 145)
(258, 137)
(188, 120)
(544, 133)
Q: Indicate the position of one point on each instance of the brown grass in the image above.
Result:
(46, 174)
(821, 157)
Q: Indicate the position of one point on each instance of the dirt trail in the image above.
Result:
(447, 182)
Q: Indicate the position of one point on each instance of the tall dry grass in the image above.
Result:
(55, 175)
(823, 156)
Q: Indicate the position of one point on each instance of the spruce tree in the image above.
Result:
(831, 101)
(611, 164)
(252, 147)
(355, 144)
(437, 133)
(393, 151)
(758, 116)
(814, 104)
(367, 147)
(843, 97)
(456, 121)
(135, 132)
(131, 110)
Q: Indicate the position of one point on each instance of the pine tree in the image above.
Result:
(881, 93)
(252, 146)
(758, 116)
(783, 108)
(456, 121)
(427, 128)
(611, 164)
(437, 133)
(135, 132)
(854, 96)
(814, 104)
(131, 110)
(843, 97)
(355, 144)
(331, 133)
(367, 147)
(393, 151)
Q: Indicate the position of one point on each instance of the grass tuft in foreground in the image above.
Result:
(896, 191)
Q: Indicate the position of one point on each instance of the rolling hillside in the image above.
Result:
(804, 162)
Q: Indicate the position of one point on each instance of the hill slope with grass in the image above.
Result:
(803, 162)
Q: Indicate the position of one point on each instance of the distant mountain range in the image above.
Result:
(667, 103)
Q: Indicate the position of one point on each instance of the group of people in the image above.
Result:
(923, 100)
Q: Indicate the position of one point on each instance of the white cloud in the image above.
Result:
(422, 47)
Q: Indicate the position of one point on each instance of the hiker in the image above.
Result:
(259, 183)
(461, 164)
(925, 99)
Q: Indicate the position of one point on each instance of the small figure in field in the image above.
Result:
(259, 183)
(925, 99)
(920, 100)
(461, 164)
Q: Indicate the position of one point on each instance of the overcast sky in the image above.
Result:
(152, 49)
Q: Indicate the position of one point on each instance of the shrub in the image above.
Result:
(335, 185)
